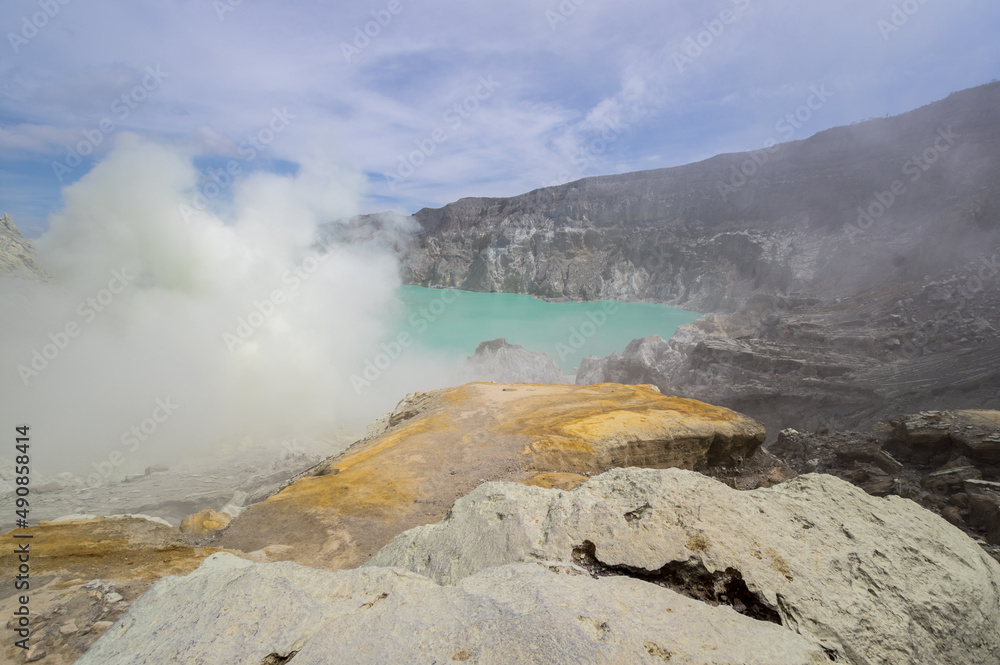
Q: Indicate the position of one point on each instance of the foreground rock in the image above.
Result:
(438, 446)
(233, 611)
(874, 580)
(84, 575)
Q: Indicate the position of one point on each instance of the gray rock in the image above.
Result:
(974, 433)
(881, 580)
(497, 360)
(984, 507)
(17, 254)
(232, 611)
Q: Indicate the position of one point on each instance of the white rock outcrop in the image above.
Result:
(635, 566)
(233, 611)
(877, 580)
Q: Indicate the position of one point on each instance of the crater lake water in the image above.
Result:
(451, 322)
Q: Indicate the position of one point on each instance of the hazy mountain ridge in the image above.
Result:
(703, 237)
(825, 318)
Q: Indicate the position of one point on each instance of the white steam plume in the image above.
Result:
(197, 334)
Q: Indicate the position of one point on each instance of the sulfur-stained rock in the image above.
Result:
(75, 564)
(438, 446)
(879, 580)
(206, 522)
(232, 611)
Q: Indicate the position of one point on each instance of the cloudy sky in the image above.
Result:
(428, 101)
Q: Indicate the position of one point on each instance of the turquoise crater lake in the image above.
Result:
(452, 322)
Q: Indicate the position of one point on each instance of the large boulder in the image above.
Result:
(984, 507)
(205, 522)
(234, 611)
(438, 446)
(875, 580)
(931, 435)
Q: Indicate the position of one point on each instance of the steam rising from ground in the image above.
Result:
(162, 340)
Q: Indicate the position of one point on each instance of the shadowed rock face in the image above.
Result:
(440, 445)
(946, 461)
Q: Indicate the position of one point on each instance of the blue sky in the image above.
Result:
(445, 99)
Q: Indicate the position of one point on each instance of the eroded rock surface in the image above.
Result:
(84, 575)
(522, 613)
(943, 460)
(876, 580)
(974, 433)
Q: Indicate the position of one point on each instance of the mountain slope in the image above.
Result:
(705, 237)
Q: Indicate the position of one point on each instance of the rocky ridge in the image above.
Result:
(692, 236)
(438, 446)
(636, 565)
(409, 470)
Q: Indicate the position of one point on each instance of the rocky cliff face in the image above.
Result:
(853, 275)
(709, 235)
